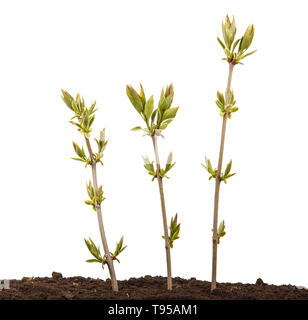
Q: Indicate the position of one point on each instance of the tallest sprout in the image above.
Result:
(235, 51)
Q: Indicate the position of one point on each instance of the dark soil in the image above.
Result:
(151, 288)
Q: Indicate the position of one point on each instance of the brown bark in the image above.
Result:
(163, 209)
(218, 181)
(109, 260)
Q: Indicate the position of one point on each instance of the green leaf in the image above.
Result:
(247, 38)
(91, 121)
(170, 157)
(165, 124)
(221, 231)
(230, 175)
(168, 100)
(159, 117)
(142, 95)
(136, 128)
(162, 104)
(93, 260)
(227, 52)
(118, 250)
(134, 98)
(221, 98)
(235, 44)
(228, 168)
(208, 165)
(219, 105)
(94, 250)
(148, 109)
(153, 115)
(169, 92)
(174, 230)
(91, 109)
(221, 43)
(90, 190)
(248, 54)
(78, 159)
(229, 31)
(170, 113)
(67, 98)
(79, 151)
(149, 166)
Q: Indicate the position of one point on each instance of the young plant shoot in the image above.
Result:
(84, 118)
(235, 52)
(157, 120)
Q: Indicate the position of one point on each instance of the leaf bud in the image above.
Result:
(247, 38)
(229, 31)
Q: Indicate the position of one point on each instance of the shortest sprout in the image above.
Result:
(174, 230)
(221, 231)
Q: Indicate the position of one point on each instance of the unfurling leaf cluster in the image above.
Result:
(226, 107)
(85, 116)
(157, 119)
(169, 166)
(119, 248)
(174, 230)
(149, 166)
(213, 172)
(221, 231)
(81, 154)
(94, 200)
(96, 253)
(229, 45)
(208, 166)
(101, 145)
(226, 175)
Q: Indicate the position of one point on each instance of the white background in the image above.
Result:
(96, 48)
